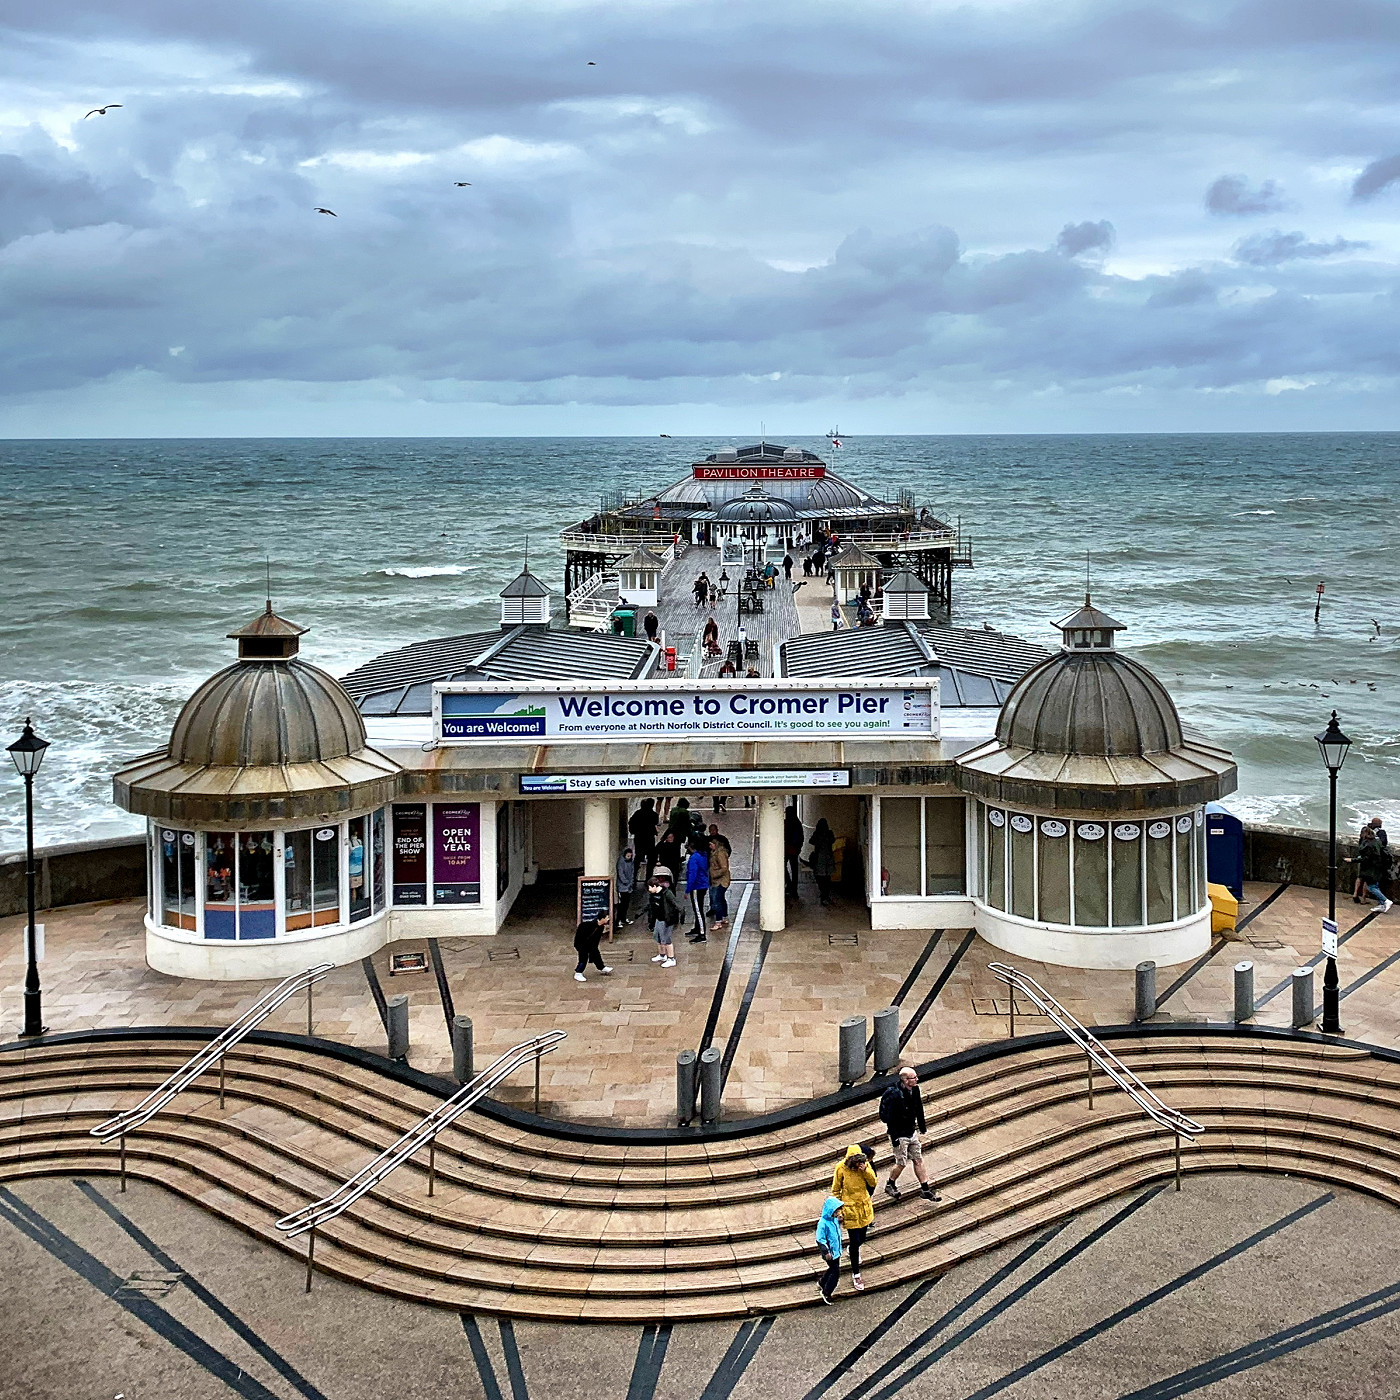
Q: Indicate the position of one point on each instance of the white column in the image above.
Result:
(597, 836)
(772, 897)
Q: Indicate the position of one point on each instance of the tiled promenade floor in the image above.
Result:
(617, 1064)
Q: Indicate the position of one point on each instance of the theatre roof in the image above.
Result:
(401, 682)
(975, 667)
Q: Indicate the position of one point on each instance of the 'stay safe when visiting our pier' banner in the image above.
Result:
(661, 710)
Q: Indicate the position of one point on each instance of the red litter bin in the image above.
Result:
(670, 658)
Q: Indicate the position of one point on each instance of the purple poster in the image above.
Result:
(456, 856)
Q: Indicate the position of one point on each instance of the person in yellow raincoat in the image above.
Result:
(854, 1182)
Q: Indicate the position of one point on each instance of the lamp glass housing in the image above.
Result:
(27, 752)
(1332, 744)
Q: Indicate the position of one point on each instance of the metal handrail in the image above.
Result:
(132, 1118)
(1161, 1114)
(425, 1131)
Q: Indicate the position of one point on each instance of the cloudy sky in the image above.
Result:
(1005, 215)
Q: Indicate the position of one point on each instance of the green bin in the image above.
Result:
(624, 621)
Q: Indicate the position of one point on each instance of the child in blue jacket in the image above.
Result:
(829, 1242)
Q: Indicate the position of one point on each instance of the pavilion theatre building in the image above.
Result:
(973, 780)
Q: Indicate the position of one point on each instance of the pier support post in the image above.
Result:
(886, 1039)
(711, 1085)
(853, 1031)
(597, 836)
(398, 1026)
(463, 1055)
(1244, 991)
(1302, 997)
(772, 896)
(1145, 992)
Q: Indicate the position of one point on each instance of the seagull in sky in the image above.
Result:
(591, 64)
(461, 184)
(102, 111)
(331, 212)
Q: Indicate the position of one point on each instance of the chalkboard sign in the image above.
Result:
(595, 897)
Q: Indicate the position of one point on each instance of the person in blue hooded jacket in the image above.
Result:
(829, 1242)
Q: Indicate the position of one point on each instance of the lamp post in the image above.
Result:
(1332, 744)
(28, 753)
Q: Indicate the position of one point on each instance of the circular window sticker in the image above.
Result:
(1183, 825)
(1200, 816)
(996, 818)
(1127, 832)
(1021, 824)
(326, 833)
(1051, 827)
(1159, 829)
(167, 836)
(1089, 831)
(188, 838)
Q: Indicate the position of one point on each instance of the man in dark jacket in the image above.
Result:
(642, 825)
(587, 936)
(902, 1113)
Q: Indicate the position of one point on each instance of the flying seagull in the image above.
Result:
(591, 64)
(102, 111)
(461, 184)
(331, 212)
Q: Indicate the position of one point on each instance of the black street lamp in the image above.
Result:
(1332, 744)
(28, 753)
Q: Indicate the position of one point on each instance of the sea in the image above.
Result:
(127, 561)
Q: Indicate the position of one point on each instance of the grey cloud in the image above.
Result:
(1232, 194)
(1269, 249)
(1377, 176)
(1075, 239)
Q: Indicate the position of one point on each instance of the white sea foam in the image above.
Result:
(1256, 512)
(426, 571)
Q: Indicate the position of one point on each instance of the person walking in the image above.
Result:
(679, 820)
(836, 618)
(829, 1242)
(787, 566)
(625, 886)
(854, 1182)
(1373, 862)
(642, 825)
(587, 936)
(650, 626)
(902, 1113)
(823, 845)
(663, 914)
(719, 880)
(669, 852)
(794, 838)
(697, 885)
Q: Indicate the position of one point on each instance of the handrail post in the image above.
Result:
(123, 1161)
(1011, 1006)
(221, 1083)
(432, 1164)
(1177, 1136)
(1089, 1061)
(310, 1255)
(537, 1081)
(309, 986)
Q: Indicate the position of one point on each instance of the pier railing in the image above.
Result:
(662, 544)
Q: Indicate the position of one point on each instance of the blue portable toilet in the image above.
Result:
(1224, 849)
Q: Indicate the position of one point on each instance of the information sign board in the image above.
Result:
(1329, 937)
(729, 780)
(595, 896)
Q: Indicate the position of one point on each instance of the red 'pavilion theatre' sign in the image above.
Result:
(812, 472)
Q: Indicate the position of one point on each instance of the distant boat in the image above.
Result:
(834, 437)
(665, 434)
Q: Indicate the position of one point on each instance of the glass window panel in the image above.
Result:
(220, 888)
(1185, 897)
(357, 869)
(899, 845)
(945, 845)
(325, 875)
(296, 859)
(1091, 874)
(377, 858)
(1127, 874)
(1159, 871)
(1022, 830)
(177, 876)
(1054, 871)
(996, 858)
(257, 901)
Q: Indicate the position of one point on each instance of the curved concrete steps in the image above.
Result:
(531, 1224)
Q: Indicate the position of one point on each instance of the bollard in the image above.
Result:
(886, 1039)
(685, 1087)
(1302, 997)
(710, 1085)
(398, 1026)
(463, 1051)
(1145, 995)
(1244, 991)
(853, 1031)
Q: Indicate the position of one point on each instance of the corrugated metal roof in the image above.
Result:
(980, 649)
(401, 682)
(861, 651)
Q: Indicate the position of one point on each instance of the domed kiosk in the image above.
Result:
(1089, 811)
(266, 814)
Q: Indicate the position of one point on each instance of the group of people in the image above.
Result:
(851, 1203)
(705, 592)
(1373, 865)
(822, 861)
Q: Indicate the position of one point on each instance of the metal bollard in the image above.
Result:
(1244, 991)
(1302, 997)
(398, 1026)
(1145, 993)
(710, 1085)
(886, 1039)
(853, 1032)
(463, 1050)
(685, 1087)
